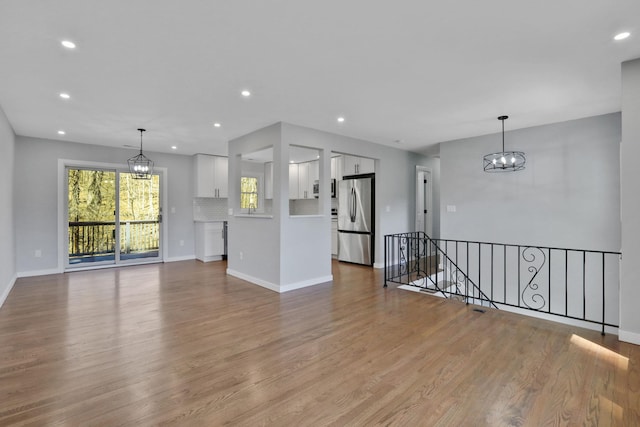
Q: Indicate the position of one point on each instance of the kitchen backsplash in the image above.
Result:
(209, 209)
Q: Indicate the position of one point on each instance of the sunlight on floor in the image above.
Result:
(607, 406)
(606, 354)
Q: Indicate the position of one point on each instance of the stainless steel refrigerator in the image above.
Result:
(356, 219)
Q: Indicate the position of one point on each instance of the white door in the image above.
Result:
(424, 214)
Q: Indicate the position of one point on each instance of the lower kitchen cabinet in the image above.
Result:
(210, 241)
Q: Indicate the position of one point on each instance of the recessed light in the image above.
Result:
(291, 161)
(622, 36)
(217, 125)
(68, 44)
(61, 132)
(340, 119)
(64, 95)
(173, 147)
(245, 93)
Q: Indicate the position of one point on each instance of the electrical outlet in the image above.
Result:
(38, 253)
(241, 256)
(181, 242)
(173, 209)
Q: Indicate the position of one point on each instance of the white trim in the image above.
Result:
(279, 288)
(254, 280)
(180, 258)
(428, 228)
(378, 265)
(34, 273)
(6, 292)
(630, 337)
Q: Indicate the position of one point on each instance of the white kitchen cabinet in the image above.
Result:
(314, 173)
(293, 181)
(212, 176)
(302, 176)
(268, 180)
(308, 173)
(336, 168)
(221, 176)
(209, 241)
(334, 237)
(303, 181)
(358, 165)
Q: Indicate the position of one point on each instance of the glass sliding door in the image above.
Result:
(112, 218)
(91, 214)
(139, 217)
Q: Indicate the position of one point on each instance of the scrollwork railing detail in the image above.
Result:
(530, 295)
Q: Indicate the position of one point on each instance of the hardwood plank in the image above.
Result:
(185, 344)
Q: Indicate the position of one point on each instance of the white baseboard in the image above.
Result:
(378, 265)
(254, 280)
(180, 258)
(630, 337)
(39, 272)
(279, 288)
(5, 294)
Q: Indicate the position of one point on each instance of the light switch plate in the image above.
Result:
(451, 208)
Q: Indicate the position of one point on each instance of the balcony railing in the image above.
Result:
(99, 237)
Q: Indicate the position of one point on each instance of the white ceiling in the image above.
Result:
(417, 71)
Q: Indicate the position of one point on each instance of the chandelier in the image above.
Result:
(140, 166)
(504, 161)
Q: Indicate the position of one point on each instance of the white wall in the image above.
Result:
(36, 200)
(630, 206)
(568, 195)
(7, 219)
(257, 238)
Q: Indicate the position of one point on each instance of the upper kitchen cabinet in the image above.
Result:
(358, 165)
(294, 185)
(212, 176)
(308, 173)
(302, 177)
(337, 167)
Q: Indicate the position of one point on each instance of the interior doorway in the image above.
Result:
(424, 202)
(111, 218)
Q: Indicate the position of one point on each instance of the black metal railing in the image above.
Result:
(415, 259)
(99, 237)
(577, 284)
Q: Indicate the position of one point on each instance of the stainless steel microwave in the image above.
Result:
(316, 188)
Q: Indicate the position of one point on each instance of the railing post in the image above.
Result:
(386, 260)
(603, 294)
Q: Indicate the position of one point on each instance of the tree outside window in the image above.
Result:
(249, 193)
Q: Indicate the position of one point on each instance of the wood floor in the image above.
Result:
(184, 344)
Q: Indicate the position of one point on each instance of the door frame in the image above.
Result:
(429, 199)
(63, 237)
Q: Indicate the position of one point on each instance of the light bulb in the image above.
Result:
(503, 160)
(513, 160)
(495, 161)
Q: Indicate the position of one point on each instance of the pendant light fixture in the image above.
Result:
(140, 166)
(504, 161)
